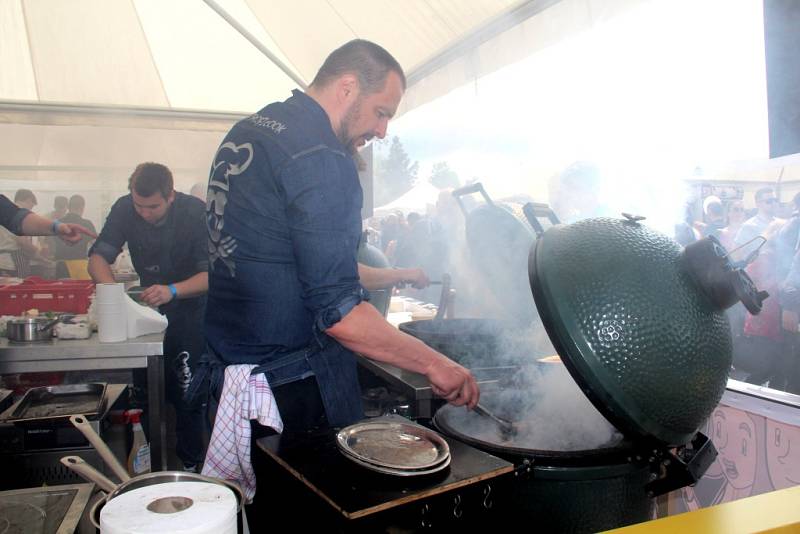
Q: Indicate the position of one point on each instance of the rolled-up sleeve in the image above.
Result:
(323, 211)
(111, 239)
(11, 215)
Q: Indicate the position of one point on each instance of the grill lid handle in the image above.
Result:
(534, 211)
(682, 468)
(709, 265)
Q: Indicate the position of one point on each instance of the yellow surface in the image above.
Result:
(774, 512)
(78, 269)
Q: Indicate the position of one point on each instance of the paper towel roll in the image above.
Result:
(109, 293)
(185, 507)
(112, 325)
(143, 319)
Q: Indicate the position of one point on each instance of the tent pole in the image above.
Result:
(255, 42)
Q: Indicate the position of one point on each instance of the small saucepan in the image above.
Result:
(77, 464)
(113, 490)
(28, 329)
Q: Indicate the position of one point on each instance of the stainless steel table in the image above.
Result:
(145, 352)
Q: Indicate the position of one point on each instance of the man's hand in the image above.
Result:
(156, 295)
(416, 277)
(72, 233)
(453, 383)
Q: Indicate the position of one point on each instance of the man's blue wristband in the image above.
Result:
(54, 227)
(173, 290)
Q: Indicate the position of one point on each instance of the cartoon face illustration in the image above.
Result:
(783, 454)
(735, 439)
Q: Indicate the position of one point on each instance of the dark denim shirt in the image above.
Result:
(283, 214)
(11, 215)
(169, 252)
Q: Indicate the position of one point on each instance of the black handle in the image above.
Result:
(477, 187)
(683, 467)
(534, 211)
(444, 296)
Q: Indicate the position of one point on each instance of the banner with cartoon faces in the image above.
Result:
(759, 452)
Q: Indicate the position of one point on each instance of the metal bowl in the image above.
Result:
(27, 329)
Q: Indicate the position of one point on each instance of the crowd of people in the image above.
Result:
(767, 345)
(434, 241)
(21, 255)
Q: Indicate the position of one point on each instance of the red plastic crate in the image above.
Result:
(46, 295)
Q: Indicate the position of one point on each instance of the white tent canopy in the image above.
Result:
(420, 198)
(89, 88)
(181, 54)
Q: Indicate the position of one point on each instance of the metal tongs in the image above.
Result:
(507, 429)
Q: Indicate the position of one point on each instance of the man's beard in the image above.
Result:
(345, 135)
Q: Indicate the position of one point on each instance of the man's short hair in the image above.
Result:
(151, 178)
(369, 62)
(76, 203)
(60, 203)
(23, 195)
(764, 191)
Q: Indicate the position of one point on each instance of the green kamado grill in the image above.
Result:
(639, 323)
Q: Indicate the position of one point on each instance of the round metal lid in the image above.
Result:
(393, 445)
(499, 241)
(632, 327)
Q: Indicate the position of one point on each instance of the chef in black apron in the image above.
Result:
(166, 236)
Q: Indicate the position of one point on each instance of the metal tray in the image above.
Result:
(399, 472)
(393, 445)
(58, 402)
(56, 509)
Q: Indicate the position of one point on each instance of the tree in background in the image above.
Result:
(394, 175)
(443, 177)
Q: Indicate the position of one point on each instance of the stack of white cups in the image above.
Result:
(112, 319)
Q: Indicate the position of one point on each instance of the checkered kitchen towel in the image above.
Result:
(243, 398)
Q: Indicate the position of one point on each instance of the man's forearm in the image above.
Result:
(193, 286)
(34, 224)
(100, 270)
(365, 331)
(380, 278)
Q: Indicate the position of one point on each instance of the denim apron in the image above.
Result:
(333, 366)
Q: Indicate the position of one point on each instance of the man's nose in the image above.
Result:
(380, 131)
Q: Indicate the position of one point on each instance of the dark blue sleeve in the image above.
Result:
(112, 237)
(320, 212)
(198, 235)
(11, 215)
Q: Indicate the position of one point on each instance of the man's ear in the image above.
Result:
(347, 88)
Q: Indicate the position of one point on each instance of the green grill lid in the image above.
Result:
(638, 321)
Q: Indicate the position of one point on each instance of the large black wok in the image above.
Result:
(479, 343)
